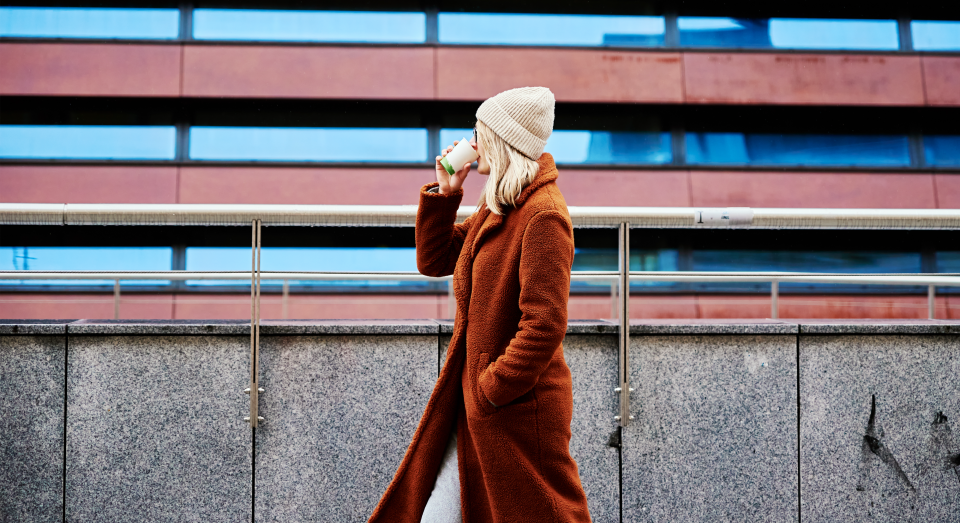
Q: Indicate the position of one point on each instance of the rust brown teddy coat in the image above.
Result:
(511, 278)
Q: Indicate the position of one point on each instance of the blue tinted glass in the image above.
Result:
(100, 142)
(59, 22)
(595, 147)
(543, 29)
(806, 261)
(85, 259)
(803, 261)
(640, 260)
(788, 33)
(935, 35)
(308, 144)
(948, 261)
(346, 259)
(942, 150)
(797, 149)
(723, 32)
(308, 26)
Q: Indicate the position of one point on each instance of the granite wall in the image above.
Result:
(734, 421)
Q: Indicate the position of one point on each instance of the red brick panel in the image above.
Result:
(399, 306)
(625, 188)
(941, 77)
(43, 306)
(824, 306)
(765, 78)
(89, 69)
(813, 190)
(307, 185)
(316, 306)
(948, 191)
(308, 72)
(574, 75)
(87, 184)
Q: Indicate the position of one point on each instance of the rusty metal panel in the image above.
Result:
(308, 71)
(88, 184)
(86, 69)
(574, 75)
(941, 79)
(768, 78)
(813, 190)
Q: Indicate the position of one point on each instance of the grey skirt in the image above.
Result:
(444, 503)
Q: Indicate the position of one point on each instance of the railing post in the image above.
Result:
(774, 299)
(932, 302)
(623, 385)
(255, 390)
(116, 299)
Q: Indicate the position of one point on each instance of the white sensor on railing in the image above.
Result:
(728, 217)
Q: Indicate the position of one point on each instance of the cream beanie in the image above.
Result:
(523, 117)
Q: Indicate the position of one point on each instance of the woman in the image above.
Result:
(493, 443)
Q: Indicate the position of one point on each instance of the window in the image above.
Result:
(948, 261)
(804, 261)
(797, 149)
(60, 22)
(85, 259)
(309, 26)
(788, 33)
(88, 142)
(284, 144)
(333, 259)
(640, 260)
(595, 147)
(550, 29)
(935, 35)
(942, 150)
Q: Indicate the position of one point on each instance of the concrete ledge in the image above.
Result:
(33, 327)
(445, 327)
(725, 327)
(880, 327)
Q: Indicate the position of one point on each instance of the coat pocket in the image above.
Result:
(483, 403)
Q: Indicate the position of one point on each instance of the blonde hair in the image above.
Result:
(510, 171)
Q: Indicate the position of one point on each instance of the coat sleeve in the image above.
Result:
(438, 238)
(546, 259)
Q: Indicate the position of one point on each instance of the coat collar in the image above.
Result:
(546, 174)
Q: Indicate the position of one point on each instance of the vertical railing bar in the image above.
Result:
(116, 299)
(451, 300)
(932, 302)
(285, 306)
(624, 374)
(775, 299)
(613, 301)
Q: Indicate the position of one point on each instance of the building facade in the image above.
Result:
(658, 104)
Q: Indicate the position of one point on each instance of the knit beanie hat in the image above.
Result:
(523, 117)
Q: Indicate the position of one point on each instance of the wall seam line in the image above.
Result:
(436, 74)
(182, 47)
(63, 477)
(923, 82)
(799, 488)
(683, 78)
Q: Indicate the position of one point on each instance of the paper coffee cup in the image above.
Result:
(462, 153)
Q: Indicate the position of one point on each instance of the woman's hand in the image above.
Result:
(451, 182)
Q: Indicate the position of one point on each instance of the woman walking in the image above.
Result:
(493, 442)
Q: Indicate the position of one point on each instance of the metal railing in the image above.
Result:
(622, 218)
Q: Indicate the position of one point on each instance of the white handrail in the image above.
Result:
(939, 280)
(405, 216)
